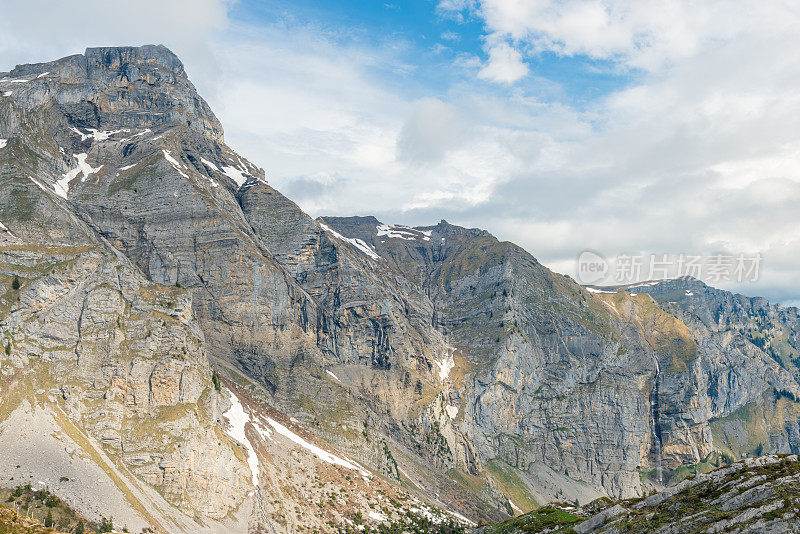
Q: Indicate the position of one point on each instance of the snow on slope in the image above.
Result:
(238, 418)
(358, 243)
(61, 187)
(399, 231)
(313, 449)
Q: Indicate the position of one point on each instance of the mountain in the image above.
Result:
(212, 358)
(757, 495)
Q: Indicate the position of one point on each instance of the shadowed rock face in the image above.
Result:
(438, 356)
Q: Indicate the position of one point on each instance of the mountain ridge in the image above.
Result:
(450, 365)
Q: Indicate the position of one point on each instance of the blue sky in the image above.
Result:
(620, 126)
(428, 43)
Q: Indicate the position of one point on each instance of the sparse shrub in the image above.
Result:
(106, 525)
(15, 283)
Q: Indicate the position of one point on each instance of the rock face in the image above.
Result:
(451, 363)
(92, 341)
(614, 387)
(120, 87)
(758, 495)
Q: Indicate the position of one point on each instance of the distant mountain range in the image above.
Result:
(193, 352)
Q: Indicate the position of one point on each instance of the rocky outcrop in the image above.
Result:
(121, 358)
(758, 495)
(114, 88)
(117, 362)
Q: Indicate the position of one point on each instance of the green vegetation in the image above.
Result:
(703, 505)
(549, 518)
(713, 461)
(106, 525)
(410, 522)
(509, 482)
(20, 206)
(27, 510)
(392, 463)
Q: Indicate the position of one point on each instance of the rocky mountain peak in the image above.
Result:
(123, 59)
(114, 87)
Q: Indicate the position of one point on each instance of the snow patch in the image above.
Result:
(593, 290)
(377, 516)
(61, 187)
(689, 293)
(143, 132)
(238, 418)
(452, 411)
(42, 75)
(209, 164)
(646, 284)
(3, 143)
(316, 451)
(39, 184)
(333, 376)
(5, 229)
(126, 167)
(8, 93)
(175, 163)
(400, 231)
(96, 134)
(240, 177)
(263, 431)
(358, 243)
(446, 365)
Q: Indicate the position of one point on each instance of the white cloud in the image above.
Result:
(699, 153)
(433, 128)
(41, 30)
(641, 33)
(450, 36)
(505, 64)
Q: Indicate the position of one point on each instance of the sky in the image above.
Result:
(630, 128)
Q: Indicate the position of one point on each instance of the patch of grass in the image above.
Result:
(547, 518)
(506, 477)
